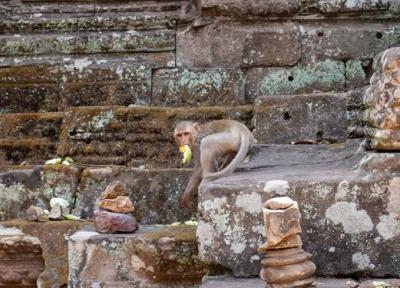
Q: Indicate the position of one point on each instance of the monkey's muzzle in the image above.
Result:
(187, 153)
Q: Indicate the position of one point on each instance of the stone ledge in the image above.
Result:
(230, 282)
(152, 257)
(155, 193)
(52, 242)
(349, 220)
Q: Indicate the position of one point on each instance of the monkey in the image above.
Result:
(228, 139)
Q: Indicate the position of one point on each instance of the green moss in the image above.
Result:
(326, 75)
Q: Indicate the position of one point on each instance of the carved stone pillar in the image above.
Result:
(382, 100)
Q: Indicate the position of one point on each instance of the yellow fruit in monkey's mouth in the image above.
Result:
(187, 153)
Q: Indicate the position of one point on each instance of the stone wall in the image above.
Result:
(56, 55)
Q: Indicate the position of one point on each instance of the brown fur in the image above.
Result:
(226, 139)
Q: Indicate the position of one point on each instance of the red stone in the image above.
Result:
(109, 222)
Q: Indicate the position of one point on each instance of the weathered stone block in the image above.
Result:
(141, 259)
(237, 8)
(21, 188)
(47, 23)
(83, 81)
(88, 43)
(355, 108)
(350, 218)
(262, 44)
(155, 193)
(21, 260)
(335, 6)
(27, 151)
(53, 246)
(288, 118)
(28, 98)
(198, 87)
(355, 74)
(347, 40)
(27, 125)
(323, 76)
(95, 135)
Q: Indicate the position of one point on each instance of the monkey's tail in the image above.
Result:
(245, 143)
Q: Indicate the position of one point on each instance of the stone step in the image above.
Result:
(21, 260)
(85, 8)
(347, 198)
(230, 282)
(131, 136)
(153, 256)
(137, 136)
(22, 24)
(87, 43)
(51, 263)
(155, 193)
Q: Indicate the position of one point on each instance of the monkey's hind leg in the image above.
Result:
(211, 148)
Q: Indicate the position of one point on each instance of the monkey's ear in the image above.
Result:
(196, 126)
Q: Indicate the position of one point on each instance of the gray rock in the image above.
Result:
(56, 213)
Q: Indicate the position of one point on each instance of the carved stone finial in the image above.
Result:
(285, 263)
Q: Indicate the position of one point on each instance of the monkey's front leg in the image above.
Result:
(192, 186)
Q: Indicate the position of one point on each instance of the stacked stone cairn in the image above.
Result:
(382, 101)
(285, 264)
(115, 208)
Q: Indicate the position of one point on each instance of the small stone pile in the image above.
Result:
(285, 264)
(115, 211)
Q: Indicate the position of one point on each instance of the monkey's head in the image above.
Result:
(185, 133)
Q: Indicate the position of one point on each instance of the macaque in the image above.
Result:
(220, 139)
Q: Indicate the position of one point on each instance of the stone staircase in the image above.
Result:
(104, 81)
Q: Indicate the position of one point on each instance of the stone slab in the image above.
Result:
(230, 282)
(349, 215)
(152, 257)
(87, 43)
(26, 151)
(52, 236)
(307, 116)
(61, 23)
(346, 40)
(38, 125)
(240, 9)
(95, 133)
(56, 83)
(155, 193)
(324, 76)
(206, 46)
(198, 87)
(349, 6)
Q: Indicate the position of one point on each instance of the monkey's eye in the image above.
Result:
(179, 135)
(185, 133)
